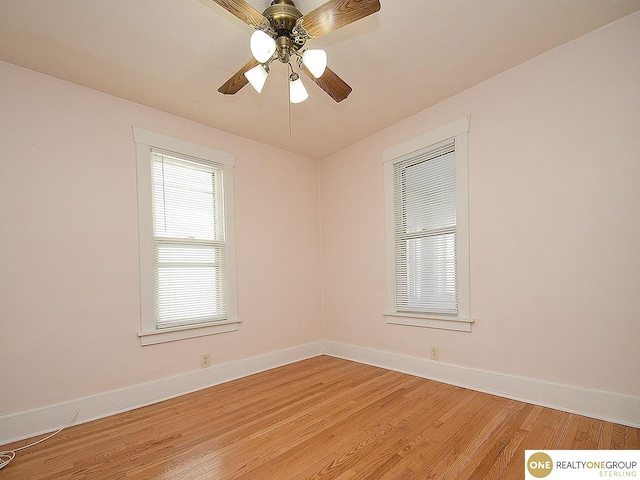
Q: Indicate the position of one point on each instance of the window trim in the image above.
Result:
(149, 333)
(457, 130)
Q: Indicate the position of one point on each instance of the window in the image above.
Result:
(186, 232)
(426, 217)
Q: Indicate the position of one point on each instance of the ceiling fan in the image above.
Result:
(281, 32)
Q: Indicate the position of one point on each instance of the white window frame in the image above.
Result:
(150, 334)
(458, 131)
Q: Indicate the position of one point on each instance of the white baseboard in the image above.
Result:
(18, 426)
(612, 407)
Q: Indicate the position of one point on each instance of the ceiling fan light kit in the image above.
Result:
(262, 46)
(257, 76)
(315, 61)
(281, 32)
(297, 92)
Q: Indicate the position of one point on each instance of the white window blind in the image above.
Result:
(189, 240)
(424, 185)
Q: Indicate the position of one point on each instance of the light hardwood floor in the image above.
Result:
(322, 418)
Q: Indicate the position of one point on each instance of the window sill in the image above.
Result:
(430, 321)
(154, 337)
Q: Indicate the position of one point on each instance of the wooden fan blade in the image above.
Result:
(331, 83)
(235, 83)
(244, 12)
(333, 15)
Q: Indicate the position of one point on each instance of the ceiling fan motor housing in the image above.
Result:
(282, 16)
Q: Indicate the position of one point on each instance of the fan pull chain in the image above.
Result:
(288, 100)
(289, 104)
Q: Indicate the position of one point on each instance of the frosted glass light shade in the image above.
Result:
(262, 46)
(257, 77)
(315, 61)
(297, 92)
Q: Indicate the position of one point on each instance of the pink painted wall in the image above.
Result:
(555, 229)
(69, 285)
(554, 152)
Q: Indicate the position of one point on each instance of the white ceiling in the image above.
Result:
(173, 55)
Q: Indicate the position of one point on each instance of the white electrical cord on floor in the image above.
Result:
(6, 457)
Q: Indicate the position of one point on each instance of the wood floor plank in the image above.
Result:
(587, 434)
(468, 416)
(604, 441)
(632, 439)
(505, 456)
(618, 437)
(323, 418)
(347, 475)
(569, 436)
(478, 463)
(539, 437)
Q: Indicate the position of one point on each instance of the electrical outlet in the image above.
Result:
(435, 353)
(205, 360)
